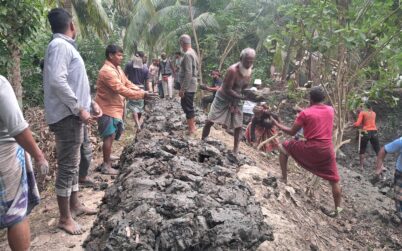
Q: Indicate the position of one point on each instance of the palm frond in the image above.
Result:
(92, 17)
(204, 21)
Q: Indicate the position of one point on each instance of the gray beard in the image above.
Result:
(245, 72)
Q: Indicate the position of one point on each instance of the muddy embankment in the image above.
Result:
(175, 193)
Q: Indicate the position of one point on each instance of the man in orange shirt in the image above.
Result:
(112, 89)
(366, 119)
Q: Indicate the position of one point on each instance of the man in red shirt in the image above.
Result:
(366, 119)
(316, 154)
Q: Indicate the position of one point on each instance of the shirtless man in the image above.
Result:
(226, 107)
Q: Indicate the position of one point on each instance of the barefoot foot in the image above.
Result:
(70, 226)
(82, 210)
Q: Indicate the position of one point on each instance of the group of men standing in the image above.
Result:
(69, 107)
(68, 104)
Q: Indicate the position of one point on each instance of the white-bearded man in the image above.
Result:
(226, 109)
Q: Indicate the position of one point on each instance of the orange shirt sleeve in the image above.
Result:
(112, 79)
(359, 120)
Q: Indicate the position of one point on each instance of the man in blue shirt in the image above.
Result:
(393, 147)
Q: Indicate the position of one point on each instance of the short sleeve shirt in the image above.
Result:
(12, 121)
(396, 147)
(317, 122)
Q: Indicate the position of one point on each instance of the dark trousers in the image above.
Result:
(371, 136)
(187, 103)
(160, 90)
(69, 134)
(86, 154)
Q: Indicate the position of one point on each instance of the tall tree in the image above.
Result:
(89, 15)
(20, 20)
(190, 8)
(354, 44)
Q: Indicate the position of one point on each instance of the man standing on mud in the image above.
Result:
(316, 154)
(366, 119)
(67, 107)
(167, 73)
(188, 81)
(139, 76)
(226, 109)
(112, 89)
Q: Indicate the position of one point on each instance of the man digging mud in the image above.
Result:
(316, 154)
(226, 107)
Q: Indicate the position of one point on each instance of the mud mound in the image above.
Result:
(175, 193)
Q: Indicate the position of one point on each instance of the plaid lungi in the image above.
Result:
(18, 190)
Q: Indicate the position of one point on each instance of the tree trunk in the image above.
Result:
(190, 5)
(287, 62)
(67, 5)
(341, 86)
(15, 72)
(226, 52)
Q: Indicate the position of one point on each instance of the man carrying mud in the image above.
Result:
(316, 154)
(226, 109)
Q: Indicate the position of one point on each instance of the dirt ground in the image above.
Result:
(43, 220)
(367, 223)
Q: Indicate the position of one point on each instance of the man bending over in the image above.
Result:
(316, 154)
(226, 107)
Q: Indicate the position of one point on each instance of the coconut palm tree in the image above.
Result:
(89, 15)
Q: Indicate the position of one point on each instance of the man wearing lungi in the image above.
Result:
(18, 191)
(393, 147)
(316, 154)
(226, 109)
